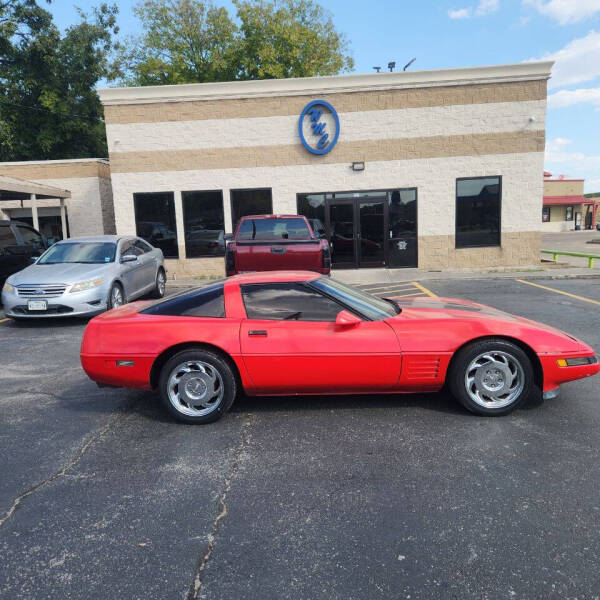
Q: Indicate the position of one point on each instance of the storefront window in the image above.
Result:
(155, 221)
(568, 213)
(203, 223)
(545, 214)
(50, 226)
(312, 206)
(478, 203)
(250, 202)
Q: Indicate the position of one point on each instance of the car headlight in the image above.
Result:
(86, 285)
(9, 289)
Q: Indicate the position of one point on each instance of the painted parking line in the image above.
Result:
(549, 289)
(404, 289)
(4, 320)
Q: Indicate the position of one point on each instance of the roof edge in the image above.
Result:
(526, 71)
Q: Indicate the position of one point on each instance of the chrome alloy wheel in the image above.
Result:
(161, 282)
(116, 297)
(195, 388)
(494, 379)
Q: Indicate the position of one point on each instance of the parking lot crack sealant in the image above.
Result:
(70, 465)
(222, 507)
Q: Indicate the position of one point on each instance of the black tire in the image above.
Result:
(110, 303)
(211, 361)
(459, 387)
(159, 291)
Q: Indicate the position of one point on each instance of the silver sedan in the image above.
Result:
(84, 276)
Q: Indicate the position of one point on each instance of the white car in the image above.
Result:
(84, 276)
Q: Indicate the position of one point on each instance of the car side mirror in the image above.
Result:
(128, 258)
(347, 319)
(228, 237)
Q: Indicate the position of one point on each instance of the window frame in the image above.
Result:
(234, 222)
(462, 246)
(173, 215)
(302, 284)
(572, 208)
(155, 308)
(546, 211)
(183, 212)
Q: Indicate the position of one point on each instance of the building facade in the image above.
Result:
(89, 210)
(430, 169)
(565, 207)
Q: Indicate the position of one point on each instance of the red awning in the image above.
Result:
(558, 200)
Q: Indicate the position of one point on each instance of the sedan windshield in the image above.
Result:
(365, 304)
(92, 253)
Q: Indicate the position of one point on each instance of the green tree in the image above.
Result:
(183, 41)
(290, 38)
(49, 107)
(187, 41)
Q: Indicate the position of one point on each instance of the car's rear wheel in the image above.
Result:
(491, 377)
(161, 284)
(197, 386)
(116, 297)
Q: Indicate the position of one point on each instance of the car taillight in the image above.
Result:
(326, 256)
(229, 259)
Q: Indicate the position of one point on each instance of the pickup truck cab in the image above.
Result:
(275, 243)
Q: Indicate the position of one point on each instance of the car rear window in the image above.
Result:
(273, 229)
(208, 301)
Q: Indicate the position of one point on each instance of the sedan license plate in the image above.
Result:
(37, 305)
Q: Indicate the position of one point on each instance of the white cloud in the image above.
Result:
(578, 96)
(460, 13)
(523, 21)
(577, 62)
(484, 7)
(558, 159)
(565, 11)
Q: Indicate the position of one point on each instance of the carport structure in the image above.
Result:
(12, 189)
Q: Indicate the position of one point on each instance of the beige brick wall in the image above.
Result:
(208, 268)
(519, 248)
(558, 187)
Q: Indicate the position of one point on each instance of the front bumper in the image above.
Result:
(555, 375)
(78, 304)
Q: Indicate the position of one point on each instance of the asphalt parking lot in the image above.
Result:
(103, 495)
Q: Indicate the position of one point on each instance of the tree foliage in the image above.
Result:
(195, 41)
(49, 107)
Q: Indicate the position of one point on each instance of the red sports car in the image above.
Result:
(277, 333)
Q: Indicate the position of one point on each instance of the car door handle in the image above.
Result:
(277, 249)
(258, 332)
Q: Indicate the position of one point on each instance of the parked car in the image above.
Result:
(598, 226)
(19, 243)
(83, 276)
(301, 333)
(275, 242)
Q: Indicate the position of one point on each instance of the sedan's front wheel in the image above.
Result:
(116, 297)
(197, 386)
(491, 377)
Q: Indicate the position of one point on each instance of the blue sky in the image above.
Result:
(459, 33)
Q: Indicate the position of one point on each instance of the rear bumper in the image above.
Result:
(106, 370)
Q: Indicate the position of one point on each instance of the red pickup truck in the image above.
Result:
(276, 242)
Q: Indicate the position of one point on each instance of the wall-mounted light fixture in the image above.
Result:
(358, 166)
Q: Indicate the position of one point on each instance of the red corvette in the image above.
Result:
(301, 333)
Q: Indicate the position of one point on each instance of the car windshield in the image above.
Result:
(92, 253)
(367, 305)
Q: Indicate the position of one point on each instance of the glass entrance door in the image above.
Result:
(357, 232)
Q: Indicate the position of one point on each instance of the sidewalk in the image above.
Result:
(366, 276)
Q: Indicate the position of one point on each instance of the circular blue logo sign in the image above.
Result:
(319, 127)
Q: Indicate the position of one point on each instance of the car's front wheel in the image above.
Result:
(161, 284)
(491, 377)
(197, 386)
(116, 296)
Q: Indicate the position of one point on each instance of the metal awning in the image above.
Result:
(12, 188)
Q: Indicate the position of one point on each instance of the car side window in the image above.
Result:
(204, 302)
(127, 248)
(288, 302)
(7, 238)
(31, 238)
(142, 247)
